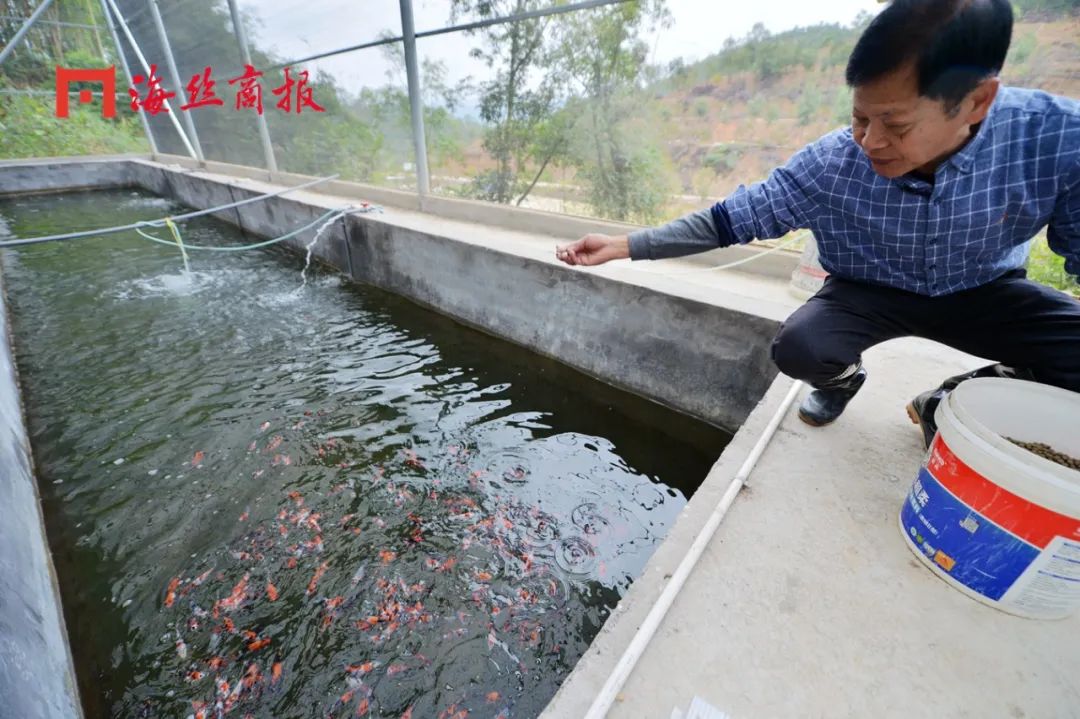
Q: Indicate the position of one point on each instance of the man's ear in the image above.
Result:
(980, 99)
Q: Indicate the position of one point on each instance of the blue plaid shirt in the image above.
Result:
(1019, 173)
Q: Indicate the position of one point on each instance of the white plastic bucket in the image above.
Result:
(809, 276)
(995, 521)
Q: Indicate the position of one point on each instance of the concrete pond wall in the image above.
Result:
(702, 358)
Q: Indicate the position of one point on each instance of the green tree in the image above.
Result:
(604, 53)
(521, 94)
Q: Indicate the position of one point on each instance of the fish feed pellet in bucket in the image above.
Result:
(1047, 452)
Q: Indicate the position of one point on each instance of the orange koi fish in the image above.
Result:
(362, 708)
(197, 460)
(316, 577)
(170, 594)
(412, 460)
(271, 591)
(251, 676)
(236, 598)
(259, 644)
(387, 556)
(275, 673)
(360, 668)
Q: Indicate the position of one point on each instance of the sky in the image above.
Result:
(297, 28)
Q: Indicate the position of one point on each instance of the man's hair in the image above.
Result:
(954, 45)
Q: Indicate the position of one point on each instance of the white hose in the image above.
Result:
(603, 701)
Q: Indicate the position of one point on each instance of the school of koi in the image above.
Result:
(511, 563)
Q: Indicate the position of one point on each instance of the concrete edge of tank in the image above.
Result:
(37, 675)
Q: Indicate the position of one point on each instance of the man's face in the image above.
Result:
(901, 132)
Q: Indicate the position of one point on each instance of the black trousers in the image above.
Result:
(1011, 320)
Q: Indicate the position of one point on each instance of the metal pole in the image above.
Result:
(416, 101)
(530, 15)
(127, 73)
(24, 29)
(245, 54)
(189, 122)
(146, 69)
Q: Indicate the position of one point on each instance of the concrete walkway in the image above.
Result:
(807, 603)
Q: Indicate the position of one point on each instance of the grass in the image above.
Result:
(1048, 268)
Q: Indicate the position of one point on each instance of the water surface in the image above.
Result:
(276, 503)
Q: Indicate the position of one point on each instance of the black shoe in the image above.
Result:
(921, 409)
(827, 401)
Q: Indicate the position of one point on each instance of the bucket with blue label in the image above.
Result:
(992, 518)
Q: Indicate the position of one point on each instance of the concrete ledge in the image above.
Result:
(64, 174)
(37, 678)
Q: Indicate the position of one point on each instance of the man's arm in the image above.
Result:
(783, 202)
(1063, 232)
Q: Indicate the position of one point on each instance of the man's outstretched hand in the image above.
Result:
(594, 250)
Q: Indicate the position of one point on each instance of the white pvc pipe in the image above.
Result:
(127, 72)
(245, 55)
(416, 101)
(603, 701)
(166, 46)
(146, 69)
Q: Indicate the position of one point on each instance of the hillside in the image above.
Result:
(733, 116)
